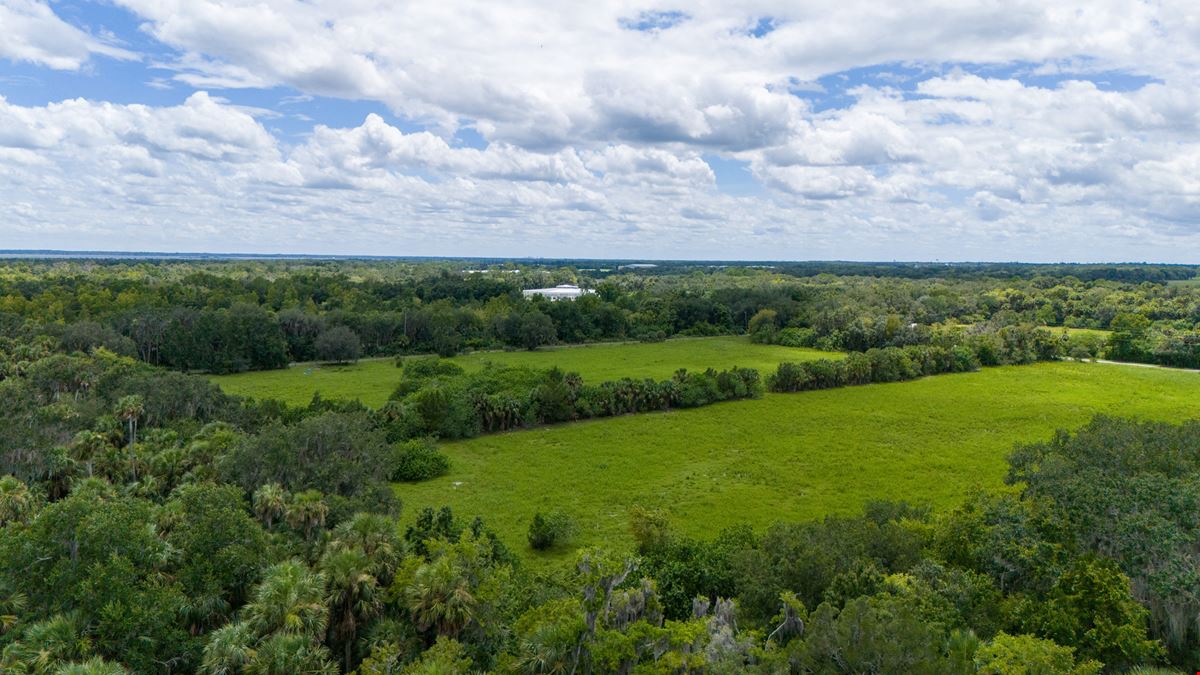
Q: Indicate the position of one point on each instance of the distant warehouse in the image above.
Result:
(559, 292)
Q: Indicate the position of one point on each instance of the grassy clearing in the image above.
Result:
(1094, 332)
(789, 456)
(372, 380)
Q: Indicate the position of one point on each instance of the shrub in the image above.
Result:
(789, 377)
(697, 389)
(797, 337)
(547, 530)
(418, 459)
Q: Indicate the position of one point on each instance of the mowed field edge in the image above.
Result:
(788, 456)
(373, 380)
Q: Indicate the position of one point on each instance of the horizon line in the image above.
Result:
(90, 254)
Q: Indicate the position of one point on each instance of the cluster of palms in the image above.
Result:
(148, 465)
(17, 357)
(307, 618)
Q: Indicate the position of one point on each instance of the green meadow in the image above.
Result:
(1093, 332)
(789, 456)
(372, 380)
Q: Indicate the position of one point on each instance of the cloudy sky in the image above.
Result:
(811, 129)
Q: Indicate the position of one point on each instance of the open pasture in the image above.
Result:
(372, 380)
(789, 456)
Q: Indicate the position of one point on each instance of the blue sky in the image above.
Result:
(824, 131)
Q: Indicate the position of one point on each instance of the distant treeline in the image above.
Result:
(955, 354)
(235, 316)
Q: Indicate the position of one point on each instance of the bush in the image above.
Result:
(797, 337)
(338, 345)
(789, 377)
(418, 459)
(547, 530)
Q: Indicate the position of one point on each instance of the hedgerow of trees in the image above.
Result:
(232, 316)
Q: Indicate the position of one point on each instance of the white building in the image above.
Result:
(559, 292)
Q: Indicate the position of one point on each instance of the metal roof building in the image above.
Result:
(559, 292)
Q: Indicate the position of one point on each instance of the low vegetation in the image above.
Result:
(790, 456)
(373, 381)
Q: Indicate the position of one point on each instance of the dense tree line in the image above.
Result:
(950, 351)
(232, 316)
(436, 398)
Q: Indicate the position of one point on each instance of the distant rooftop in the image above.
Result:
(559, 292)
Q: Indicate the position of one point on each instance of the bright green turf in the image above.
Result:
(789, 456)
(372, 380)
(1094, 332)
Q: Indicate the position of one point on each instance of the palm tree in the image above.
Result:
(353, 595)
(46, 644)
(308, 510)
(290, 599)
(270, 503)
(376, 535)
(93, 666)
(87, 446)
(204, 611)
(285, 654)
(228, 650)
(13, 605)
(130, 408)
(439, 597)
(16, 501)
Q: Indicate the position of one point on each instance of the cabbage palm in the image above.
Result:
(47, 645)
(290, 599)
(354, 595)
(308, 511)
(16, 501)
(270, 504)
(129, 409)
(228, 650)
(375, 534)
(285, 654)
(93, 666)
(439, 597)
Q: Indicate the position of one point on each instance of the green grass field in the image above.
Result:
(372, 380)
(789, 456)
(1094, 332)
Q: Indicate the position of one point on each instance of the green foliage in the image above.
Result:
(892, 364)
(339, 454)
(418, 459)
(877, 634)
(1126, 491)
(338, 344)
(221, 550)
(1091, 608)
(445, 657)
(549, 530)
(1028, 655)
